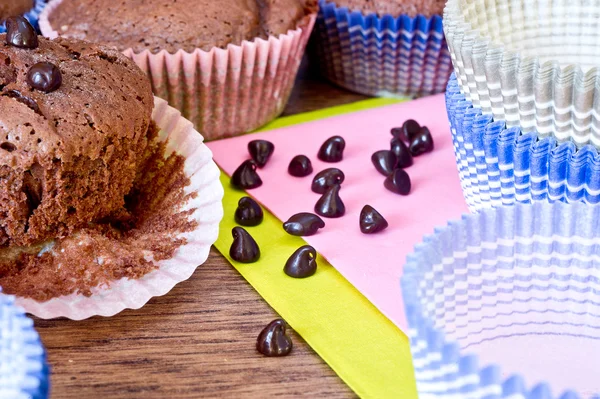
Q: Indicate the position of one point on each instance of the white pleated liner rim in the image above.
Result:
(124, 294)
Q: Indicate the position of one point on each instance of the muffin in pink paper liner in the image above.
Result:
(200, 207)
(226, 85)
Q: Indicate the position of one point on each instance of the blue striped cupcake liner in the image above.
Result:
(505, 303)
(382, 56)
(32, 15)
(24, 372)
(500, 166)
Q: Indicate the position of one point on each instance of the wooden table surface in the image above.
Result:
(198, 340)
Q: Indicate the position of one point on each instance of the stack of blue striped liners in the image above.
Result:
(382, 56)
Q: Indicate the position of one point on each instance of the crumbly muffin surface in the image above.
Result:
(395, 7)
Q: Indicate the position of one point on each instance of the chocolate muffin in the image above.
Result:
(395, 7)
(175, 24)
(10, 8)
(68, 150)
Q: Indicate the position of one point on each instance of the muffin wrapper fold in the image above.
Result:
(500, 165)
(24, 372)
(530, 88)
(224, 92)
(382, 56)
(506, 304)
(32, 15)
(123, 294)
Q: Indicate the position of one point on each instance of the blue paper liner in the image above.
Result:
(500, 166)
(382, 56)
(32, 15)
(24, 372)
(505, 303)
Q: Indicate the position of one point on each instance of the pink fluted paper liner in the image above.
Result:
(224, 92)
(133, 294)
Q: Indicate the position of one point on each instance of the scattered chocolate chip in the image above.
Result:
(245, 176)
(327, 178)
(384, 161)
(332, 149)
(403, 156)
(248, 212)
(398, 182)
(410, 128)
(398, 133)
(44, 76)
(20, 33)
(303, 224)
(273, 340)
(261, 151)
(243, 249)
(302, 263)
(421, 142)
(300, 166)
(371, 221)
(330, 205)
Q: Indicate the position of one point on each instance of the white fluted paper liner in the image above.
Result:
(224, 92)
(532, 63)
(506, 304)
(133, 294)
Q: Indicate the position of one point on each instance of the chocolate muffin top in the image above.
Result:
(175, 24)
(103, 97)
(395, 7)
(11, 8)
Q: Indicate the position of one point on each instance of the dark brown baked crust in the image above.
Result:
(395, 7)
(172, 25)
(67, 158)
(11, 8)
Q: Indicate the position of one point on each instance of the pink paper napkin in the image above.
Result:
(373, 264)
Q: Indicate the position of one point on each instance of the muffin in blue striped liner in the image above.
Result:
(32, 15)
(500, 166)
(24, 371)
(382, 56)
(505, 303)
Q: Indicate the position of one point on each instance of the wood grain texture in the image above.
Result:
(198, 340)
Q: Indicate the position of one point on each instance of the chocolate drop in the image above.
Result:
(248, 212)
(410, 128)
(300, 166)
(243, 249)
(245, 176)
(403, 156)
(261, 151)
(332, 149)
(384, 161)
(327, 178)
(20, 33)
(398, 182)
(273, 340)
(422, 142)
(302, 263)
(371, 221)
(303, 224)
(44, 76)
(330, 205)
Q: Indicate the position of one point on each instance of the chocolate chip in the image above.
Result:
(44, 76)
(403, 156)
(20, 33)
(300, 166)
(422, 142)
(261, 151)
(332, 149)
(245, 176)
(371, 221)
(384, 161)
(303, 224)
(398, 182)
(327, 178)
(248, 212)
(302, 263)
(410, 128)
(273, 340)
(243, 249)
(330, 205)
(399, 134)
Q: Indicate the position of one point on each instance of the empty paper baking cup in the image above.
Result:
(506, 304)
(499, 165)
(23, 366)
(32, 15)
(382, 56)
(224, 92)
(531, 63)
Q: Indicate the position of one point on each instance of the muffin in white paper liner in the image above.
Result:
(203, 174)
(532, 63)
(506, 304)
